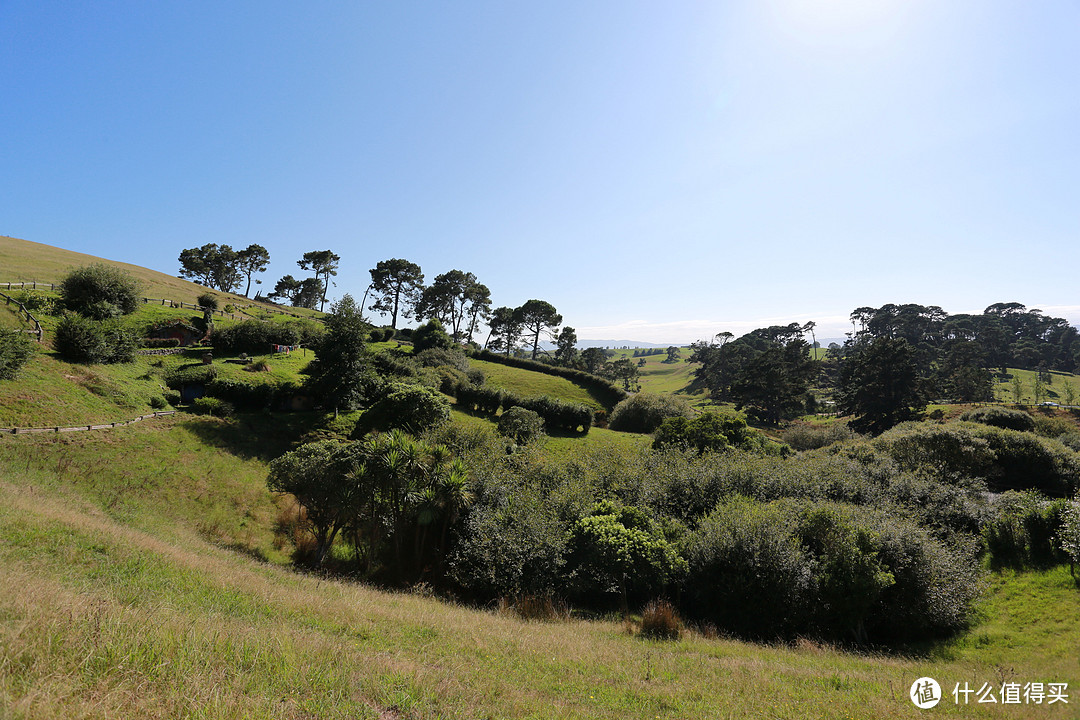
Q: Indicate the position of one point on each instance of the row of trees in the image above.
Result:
(221, 267)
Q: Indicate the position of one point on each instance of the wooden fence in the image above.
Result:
(29, 318)
(81, 428)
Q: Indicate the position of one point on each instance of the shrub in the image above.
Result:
(212, 406)
(191, 374)
(748, 572)
(803, 436)
(34, 301)
(521, 425)
(1022, 533)
(409, 407)
(160, 342)
(660, 621)
(1053, 427)
(248, 396)
(172, 397)
(99, 292)
(643, 412)
(430, 335)
(256, 337)
(207, 301)
(15, 349)
(449, 356)
(82, 340)
(1068, 536)
(708, 431)
(1000, 417)
(157, 402)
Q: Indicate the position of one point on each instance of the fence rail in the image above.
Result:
(29, 318)
(82, 428)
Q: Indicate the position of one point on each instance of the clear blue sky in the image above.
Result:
(657, 171)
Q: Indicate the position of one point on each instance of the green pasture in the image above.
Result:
(167, 527)
(527, 383)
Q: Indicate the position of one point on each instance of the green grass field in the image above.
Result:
(131, 590)
(25, 261)
(527, 383)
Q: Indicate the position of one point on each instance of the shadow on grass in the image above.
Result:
(262, 436)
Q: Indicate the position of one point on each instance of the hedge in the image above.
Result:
(607, 393)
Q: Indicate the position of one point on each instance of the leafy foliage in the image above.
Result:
(521, 425)
(407, 407)
(879, 384)
(82, 340)
(710, 431)
(15, 349)
(99, 292)
(644, 412)
(1000, 417)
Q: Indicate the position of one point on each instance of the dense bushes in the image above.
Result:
(1001, 417)
(15, 350)
(557, 414)
(99, 292)
(713, 432)
(407, 407)
(521, 425)
(779, 569)
(256, 337)
(1024, 530)
(1008, 459)
(82, 340)
(643, 412)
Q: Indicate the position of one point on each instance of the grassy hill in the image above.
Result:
(25, 261)
(146, 574)
(159, 528)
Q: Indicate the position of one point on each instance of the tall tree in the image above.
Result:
(445, 299)
(879, 384)
(252, 259)
(287, 288)
(397, 284)
(341, 376)
(321, 262)
(212, 265)
(478, 300)
(538, 317)
(565, 346)
(504, 330)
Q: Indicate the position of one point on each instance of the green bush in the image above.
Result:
(158, 403)
(643, 412)
(620, 551)
(449, 356)
(748, 572)
(803, 436)
(521, 425)
(1053, 427)
(431, 335)
(1000, 417)
(36, 302)
(207, 301)
(82, 340)
(708, 431)
(99, 292)
(1023, 530)
(172, 397)
(835, 571)
(212, 406)
(407, 407)
(602, 389)
(190, 374)
(15, 349)
(160, 342)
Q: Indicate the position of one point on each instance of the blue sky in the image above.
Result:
(657, 171)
